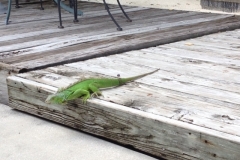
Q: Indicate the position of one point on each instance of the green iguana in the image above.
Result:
(87, 88)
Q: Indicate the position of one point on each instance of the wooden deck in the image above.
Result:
(189, 109)
(33, 41)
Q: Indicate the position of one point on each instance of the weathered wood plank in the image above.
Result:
(139, 22)
(52, 17)
(38, 43)
(207, 50)
(189, 109)
(169, 82)
(75, 28)
(208, 57)
(167, 21)
(50, 12)
(155, 134)
(35, 42)
(5, 71)
(174, 104)
(85, 30)
(102, 64)
(3, 87)
(107, 46)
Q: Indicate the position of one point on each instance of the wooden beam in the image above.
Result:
(157, 135)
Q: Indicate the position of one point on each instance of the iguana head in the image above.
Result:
(55, 99)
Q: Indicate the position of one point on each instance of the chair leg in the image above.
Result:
(70, 4)
(59, 14)
(17, 4)
(9, 11)
(125, 14)
(75, 11)
(41, 8)
(109, 13)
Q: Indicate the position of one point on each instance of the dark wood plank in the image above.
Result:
(107, 46)
(35, 42)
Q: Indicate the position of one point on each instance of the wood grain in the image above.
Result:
(36, 42)
(160, 136)
(188, 109)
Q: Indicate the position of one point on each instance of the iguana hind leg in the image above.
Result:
(95, 90)
(80, 93)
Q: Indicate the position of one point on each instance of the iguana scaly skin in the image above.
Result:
(87, 88)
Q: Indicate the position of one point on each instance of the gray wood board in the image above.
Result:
(33, 41)
(189, 109)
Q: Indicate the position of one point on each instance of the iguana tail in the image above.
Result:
(122, 81)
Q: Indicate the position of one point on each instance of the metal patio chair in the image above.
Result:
(74, 3)
(17, 6)
(72, 9)
(113, 19)
(60, 5)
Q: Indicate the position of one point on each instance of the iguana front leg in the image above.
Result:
(79, 93)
